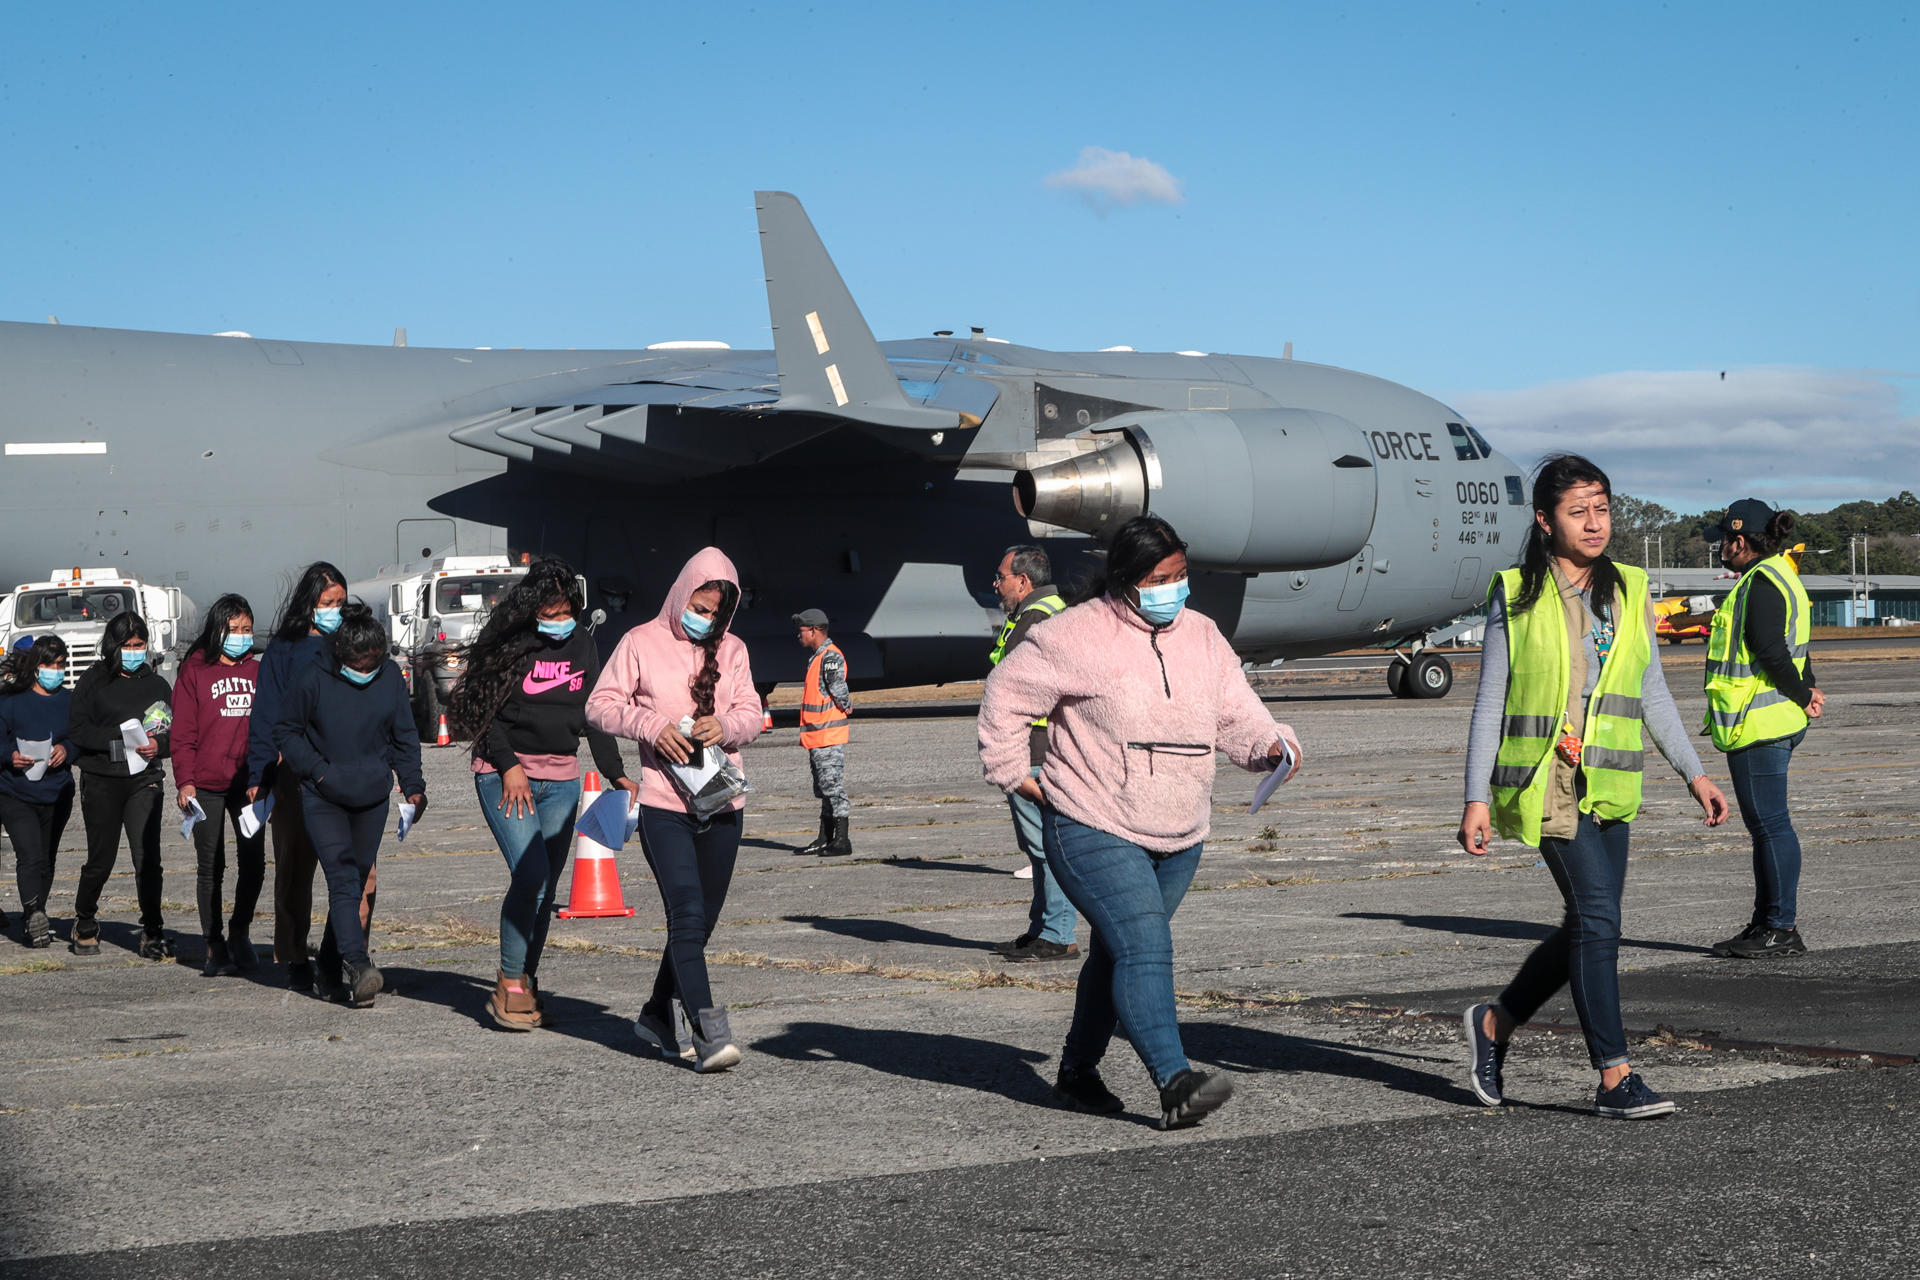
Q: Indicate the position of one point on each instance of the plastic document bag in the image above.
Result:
(709, 782)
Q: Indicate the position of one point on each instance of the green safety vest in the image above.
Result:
(1743, 707)
(1049, 604)
(1540, 670)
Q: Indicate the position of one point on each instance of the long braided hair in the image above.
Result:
(708, 676)
(490, 662)
(1557, 474)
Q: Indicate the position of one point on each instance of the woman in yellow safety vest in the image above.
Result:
(1760, 698)
(1570, 688)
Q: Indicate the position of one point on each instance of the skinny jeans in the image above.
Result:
(1128, 896)
(1760, 786)
(536, 846)
(109, 807)
(1584, 952)
(35, 831)
(692, 864)
(1049, 915)
(210, 848)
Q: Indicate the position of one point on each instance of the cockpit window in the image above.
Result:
(1462, 447)
(1486, 450)
(1515, 495)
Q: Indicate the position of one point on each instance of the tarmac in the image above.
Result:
(893, 1112)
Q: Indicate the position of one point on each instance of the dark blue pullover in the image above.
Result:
(282, 661)
(35, 717)
(347, 742)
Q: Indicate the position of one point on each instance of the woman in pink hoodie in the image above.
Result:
(1139, 692)
(685, 663)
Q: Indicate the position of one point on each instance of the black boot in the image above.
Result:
(821, 841)
(839, 846)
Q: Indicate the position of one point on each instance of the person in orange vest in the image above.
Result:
(826, 707)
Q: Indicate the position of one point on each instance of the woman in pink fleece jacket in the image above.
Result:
(684, 663)
(1139, 692)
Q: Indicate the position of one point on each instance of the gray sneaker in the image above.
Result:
(668, 1035)
(713, 1045)
(37, 929)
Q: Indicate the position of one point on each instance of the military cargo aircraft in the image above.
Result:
(877, 481)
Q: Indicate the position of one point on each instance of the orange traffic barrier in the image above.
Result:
(595, 892)
(443, 738)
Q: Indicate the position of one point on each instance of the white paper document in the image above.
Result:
(195, 815)
(1272, 782)
(406, 819)
(255, 815)
(134, 737)
(39, 751)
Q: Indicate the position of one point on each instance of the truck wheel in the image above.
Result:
(1430, 677)
(426, 705)
(1397, 678)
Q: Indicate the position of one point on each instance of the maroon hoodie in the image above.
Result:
(211, 704)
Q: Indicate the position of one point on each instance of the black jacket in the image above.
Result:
(1766, 637)
(100, 705)
(545, 713)
(346, 742)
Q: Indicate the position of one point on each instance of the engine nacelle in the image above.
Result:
(1252, 489)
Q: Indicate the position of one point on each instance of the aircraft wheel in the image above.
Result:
(1397, 678)
(1430, 677)
(1674, 639)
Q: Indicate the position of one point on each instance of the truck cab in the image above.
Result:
(76, 605)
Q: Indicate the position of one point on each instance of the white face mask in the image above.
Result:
(1162, 604)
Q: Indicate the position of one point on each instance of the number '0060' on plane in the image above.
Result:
(1325, 509)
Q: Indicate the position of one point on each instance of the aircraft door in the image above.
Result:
(423, 539)
(1355, 589)
(1471, 584)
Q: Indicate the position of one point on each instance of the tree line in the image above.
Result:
(1892, 527)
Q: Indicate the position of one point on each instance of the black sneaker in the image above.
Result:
(1631, 1100)
(1082, 1089)
(86, 938)
(1726, 948)
(1004, 948)
(1041, 949)
(38, 930)
(1191, 1096)
(157, 947)
(300, 976)
(1766, 943)
(328, 986)
(219, 961)
(240, 948)
(364, 983)
(1487, 1058)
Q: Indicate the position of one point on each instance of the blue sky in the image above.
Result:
(1511, 207)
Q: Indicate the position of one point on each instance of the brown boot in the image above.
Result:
(512, 1004)
(545, 1019)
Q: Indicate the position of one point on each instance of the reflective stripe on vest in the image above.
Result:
(1048, 605)
(1743, 706)
(822, 722)
(1540, 670)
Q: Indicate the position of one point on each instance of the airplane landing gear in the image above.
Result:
(1427, 675)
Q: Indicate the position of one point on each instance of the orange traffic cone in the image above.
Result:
(595, 891)
(766, 716)
(443, 738)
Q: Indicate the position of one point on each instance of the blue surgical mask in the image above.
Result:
(558, 628)
(237, 646)
(132, 659)
(1162, 604)
(359, 677)
(326, 621)
(696, 627)
(52, 678)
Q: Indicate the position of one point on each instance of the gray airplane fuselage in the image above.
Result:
(229, 462)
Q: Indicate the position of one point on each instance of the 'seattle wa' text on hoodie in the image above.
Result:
(648, 682)
(1134, 716)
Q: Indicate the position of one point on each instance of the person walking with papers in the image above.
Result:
(522, 700)
(1570, 690)
(121, 710)
(212, 708)
(345, 733)
(36, 786)
(1139, 692)
(309, 616)
(681, 687)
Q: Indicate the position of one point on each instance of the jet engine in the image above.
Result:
(1253, 490)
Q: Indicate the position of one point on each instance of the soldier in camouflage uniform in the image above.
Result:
(826, 707)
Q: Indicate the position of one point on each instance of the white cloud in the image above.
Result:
(1802, 438)
(1106, 178)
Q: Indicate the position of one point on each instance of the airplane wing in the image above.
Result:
(671, 421)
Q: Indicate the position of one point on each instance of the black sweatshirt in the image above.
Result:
(545, 714)
(346, 742)
(1766, 637)
(100, 705)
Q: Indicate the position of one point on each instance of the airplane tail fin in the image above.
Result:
(827, 357)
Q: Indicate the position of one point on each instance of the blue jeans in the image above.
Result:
(536, 846)
(1128, 896)
(692, 864)
(1760, 785)
(346, 841)
(1591, 871)
(1051, 916)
